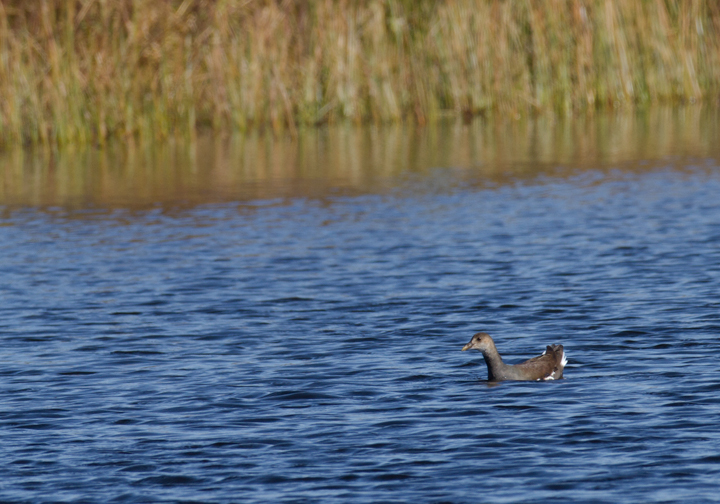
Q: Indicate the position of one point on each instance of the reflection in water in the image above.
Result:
(348, 159)
(304, 351)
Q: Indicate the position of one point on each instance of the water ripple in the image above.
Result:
(309, 351)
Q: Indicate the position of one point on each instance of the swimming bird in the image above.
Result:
(548, 366)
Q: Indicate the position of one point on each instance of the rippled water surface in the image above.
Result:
(292, 332)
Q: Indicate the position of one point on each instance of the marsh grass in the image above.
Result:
(80, 71)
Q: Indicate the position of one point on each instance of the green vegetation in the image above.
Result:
(80, 71)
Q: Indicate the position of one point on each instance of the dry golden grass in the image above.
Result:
(79, 71)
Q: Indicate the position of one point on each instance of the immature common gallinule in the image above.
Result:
(548, 366)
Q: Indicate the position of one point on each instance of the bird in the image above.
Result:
(548, 366)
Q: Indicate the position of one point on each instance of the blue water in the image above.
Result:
(307, 349)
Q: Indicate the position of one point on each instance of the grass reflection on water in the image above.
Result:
(347, 159)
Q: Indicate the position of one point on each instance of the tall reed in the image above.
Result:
(85, 70)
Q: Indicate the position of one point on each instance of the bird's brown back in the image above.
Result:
(543, 366)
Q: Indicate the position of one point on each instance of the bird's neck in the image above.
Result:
(494, 363)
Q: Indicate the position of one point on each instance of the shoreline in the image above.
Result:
(83, 73)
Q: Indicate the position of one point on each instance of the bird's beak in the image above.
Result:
(467, 347)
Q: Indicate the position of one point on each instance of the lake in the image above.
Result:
(271, 319)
